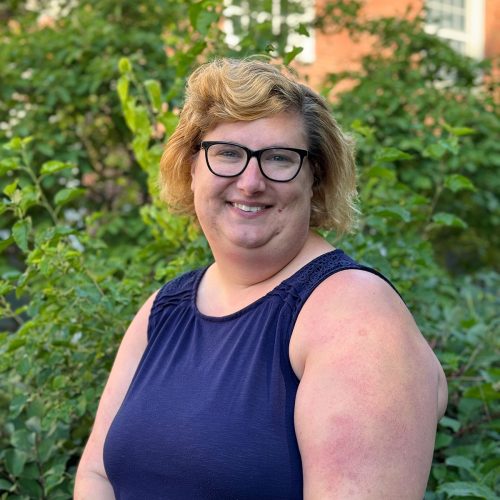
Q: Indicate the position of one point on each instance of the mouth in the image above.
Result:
(249, 208)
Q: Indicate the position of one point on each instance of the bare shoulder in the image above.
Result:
(352, 308)
(376, 386)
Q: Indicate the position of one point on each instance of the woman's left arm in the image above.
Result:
(371, 392)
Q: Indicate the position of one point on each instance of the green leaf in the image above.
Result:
(467, 489)
(15, 461)
(67, 195)
(291, 55)
(451, 423)
(15, 144)
(17, 404)
(122, 87)
(15, 344)
(124, 65)
(30, 471)
(9, 165)
(23, 439)
(194, 10)
(141, 122)
(362, 129)
(30, 196)
(154, 93)
(460, 462)
(46, 449)
(484, 392)
(10, 189)
(31, 486)
(390, 155)
(448, 220)
(53, 166)
(302, 30)
(393, 212)
(204, 20)
(434, 151)
(457, 182)
(5, 287)
(169, 120)
(20, 232)
(6, 243)
(34, 424)
(442, 440)
(5, 485)
(54, 477)
(459, 131)
(379, 172)
(202, 15)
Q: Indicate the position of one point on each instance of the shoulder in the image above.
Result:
(179, 286)
(357, 314)
(349, 299)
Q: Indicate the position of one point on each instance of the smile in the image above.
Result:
(248, 208)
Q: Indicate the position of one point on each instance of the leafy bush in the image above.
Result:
(70, 284)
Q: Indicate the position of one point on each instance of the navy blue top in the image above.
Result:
(209, 412)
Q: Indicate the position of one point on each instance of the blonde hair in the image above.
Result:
(228, 90)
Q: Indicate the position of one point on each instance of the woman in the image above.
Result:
(285, 369)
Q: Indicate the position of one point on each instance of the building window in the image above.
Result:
(283, 17)
(460, 22)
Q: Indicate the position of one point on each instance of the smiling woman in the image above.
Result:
(284, 370)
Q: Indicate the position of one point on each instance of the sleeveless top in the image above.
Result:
(209, 412)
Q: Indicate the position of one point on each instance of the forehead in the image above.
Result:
(284, 129)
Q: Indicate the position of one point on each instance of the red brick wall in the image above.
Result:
(492, 29)
(337, 52)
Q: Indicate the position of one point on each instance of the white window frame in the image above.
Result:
(308, 43)
(472, 36)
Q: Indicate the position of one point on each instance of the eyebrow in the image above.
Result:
(277, 146)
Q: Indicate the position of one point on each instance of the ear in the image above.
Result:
(194, 160)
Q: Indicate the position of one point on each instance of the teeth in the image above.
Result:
(246, 208)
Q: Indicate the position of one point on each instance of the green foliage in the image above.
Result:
(416, 93)
(78, 257)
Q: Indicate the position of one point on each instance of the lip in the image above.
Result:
(248, 207)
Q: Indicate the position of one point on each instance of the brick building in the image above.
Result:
(471, 26)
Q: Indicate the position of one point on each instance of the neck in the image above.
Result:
(237, 279)
(249, 267)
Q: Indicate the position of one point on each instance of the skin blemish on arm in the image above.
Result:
(362, 332)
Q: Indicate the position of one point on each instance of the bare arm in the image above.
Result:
(91, 480)
(370, 395)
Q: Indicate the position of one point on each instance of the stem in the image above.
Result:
(41, 479)
(94, 281)
(45, 202)
(9, 312)
(89, 147)
(437, 195)
(477, 423)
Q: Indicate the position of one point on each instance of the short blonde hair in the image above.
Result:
(228, 90)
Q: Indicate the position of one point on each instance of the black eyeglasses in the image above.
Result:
(225, 159)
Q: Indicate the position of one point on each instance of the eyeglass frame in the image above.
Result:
(303, 153)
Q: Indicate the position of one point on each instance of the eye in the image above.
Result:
(280, 157)
(226, 152)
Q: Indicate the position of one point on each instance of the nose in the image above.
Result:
(251, 180)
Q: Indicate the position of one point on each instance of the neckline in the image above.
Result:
(257, 302)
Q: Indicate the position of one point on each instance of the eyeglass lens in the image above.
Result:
(276, 163)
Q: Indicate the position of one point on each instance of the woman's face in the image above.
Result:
(250, 211)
